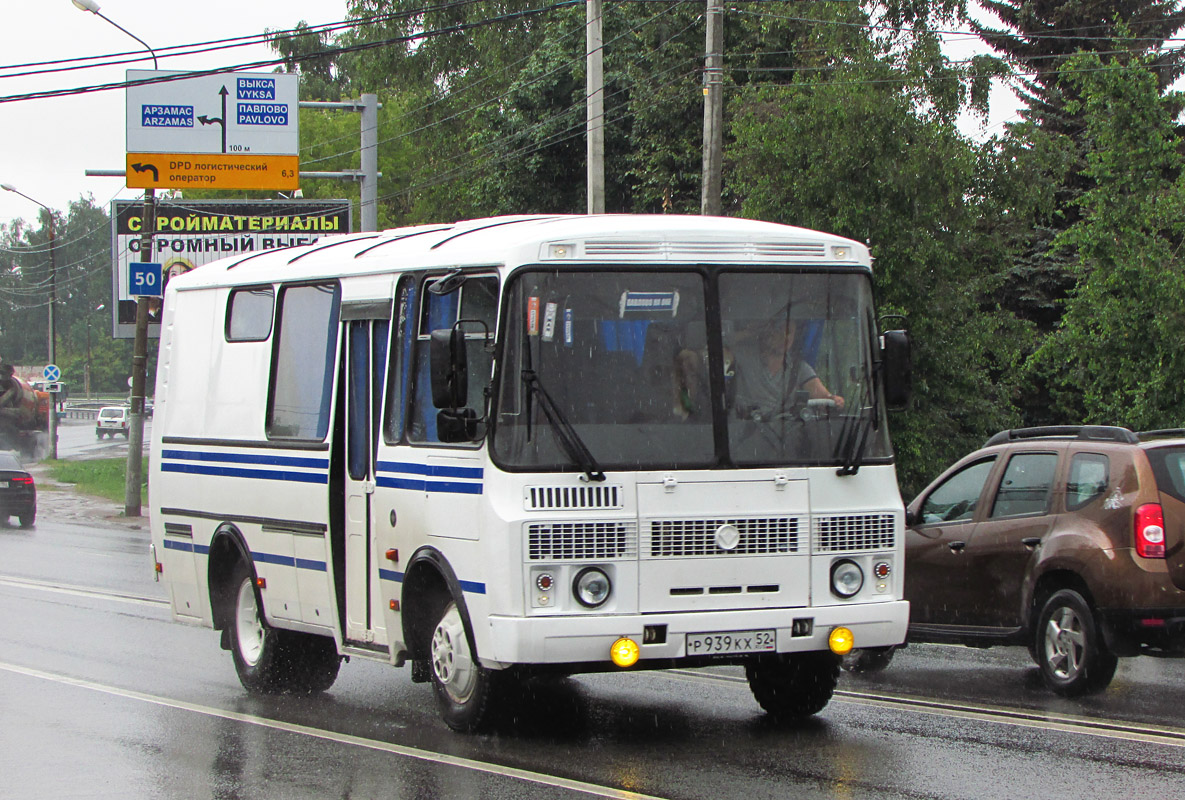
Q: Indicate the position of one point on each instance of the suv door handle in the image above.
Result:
(1031, 542)
(956, 547)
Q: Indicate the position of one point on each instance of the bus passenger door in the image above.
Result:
(366, 363)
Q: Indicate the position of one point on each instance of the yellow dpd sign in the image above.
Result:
(212, 171)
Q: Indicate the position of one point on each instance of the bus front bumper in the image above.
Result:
(587, 638)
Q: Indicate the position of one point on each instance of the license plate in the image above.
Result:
(723, 643)
(3, 484)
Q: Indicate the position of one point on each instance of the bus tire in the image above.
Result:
(791, 686)
(868, 660)
(270, 660)
(465, 690)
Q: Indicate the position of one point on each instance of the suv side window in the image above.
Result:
(1026, 485)
(1088, 478)
(955, 499)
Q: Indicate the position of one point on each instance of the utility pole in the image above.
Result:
(53, 302)
(594, 47)
(131, 494)
(710, 204)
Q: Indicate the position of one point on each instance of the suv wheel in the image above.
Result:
(1069, 647)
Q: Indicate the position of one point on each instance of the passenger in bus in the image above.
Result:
(771, 376)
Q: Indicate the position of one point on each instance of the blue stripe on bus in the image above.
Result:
(289, 561)
(472, 587)
(247, 458)
(187, 547)
(449, 487)
(430, 470)
(260, 474)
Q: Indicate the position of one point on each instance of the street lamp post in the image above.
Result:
(53, 301)
(134, 473)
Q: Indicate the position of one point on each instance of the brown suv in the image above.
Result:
(1068, 540)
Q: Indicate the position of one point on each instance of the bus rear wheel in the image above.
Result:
(465, 690)
(791, 686)
(269, 660)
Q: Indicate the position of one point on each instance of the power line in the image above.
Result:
(333, 51)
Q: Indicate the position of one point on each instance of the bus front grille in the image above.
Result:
(577, 541)
(674, 538)
(844, 534)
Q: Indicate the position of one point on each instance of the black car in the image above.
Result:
(18, 494)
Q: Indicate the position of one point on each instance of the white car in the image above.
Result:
(112, 420)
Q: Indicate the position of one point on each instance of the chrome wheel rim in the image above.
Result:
(248, 628)
(1065, 644)
(452, 663)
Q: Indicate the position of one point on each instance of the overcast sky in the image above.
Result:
(47, 145)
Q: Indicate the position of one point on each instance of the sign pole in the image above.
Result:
(134, 472)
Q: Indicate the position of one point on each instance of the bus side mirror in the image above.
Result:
(449, 367)
(897, 365)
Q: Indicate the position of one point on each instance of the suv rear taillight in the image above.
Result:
(1150, 531)
(24, 480)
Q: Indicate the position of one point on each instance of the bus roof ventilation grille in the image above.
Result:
(573, 498)
(707, 251)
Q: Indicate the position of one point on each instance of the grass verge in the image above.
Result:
(102, 477)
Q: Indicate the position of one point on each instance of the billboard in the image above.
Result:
(189, 233)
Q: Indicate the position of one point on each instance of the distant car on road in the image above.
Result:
(1067, 540)
(18, 492)
(112, 420)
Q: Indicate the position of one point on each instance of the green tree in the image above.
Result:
(1117, 356)
(1040, 37)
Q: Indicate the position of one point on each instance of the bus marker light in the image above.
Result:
(624, 652)
(393, 555)
(841, 640)
(394, 605)
(261, 583)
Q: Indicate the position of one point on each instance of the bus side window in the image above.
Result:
(302, 362)
(399, 364)
(477, 299)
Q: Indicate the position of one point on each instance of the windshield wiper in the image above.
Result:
(569, 439)
(853, 438)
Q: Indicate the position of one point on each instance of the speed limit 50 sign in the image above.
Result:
(144, 278)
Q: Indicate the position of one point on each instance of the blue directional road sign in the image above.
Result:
(51, 373)
(144, 278)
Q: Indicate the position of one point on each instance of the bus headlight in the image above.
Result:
(846, 578)
(591, 587)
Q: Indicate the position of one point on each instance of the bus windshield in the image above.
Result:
(636, 369)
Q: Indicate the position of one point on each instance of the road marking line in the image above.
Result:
(80, 591)
(1023, 718)
(340, 738)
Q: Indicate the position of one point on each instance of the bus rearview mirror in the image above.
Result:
(449, 368)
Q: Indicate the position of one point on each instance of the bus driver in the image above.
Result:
(769, 372)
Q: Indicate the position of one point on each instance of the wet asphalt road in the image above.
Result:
(102, 696)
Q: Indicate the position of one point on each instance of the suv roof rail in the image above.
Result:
(1163, 433)
(1101, 433)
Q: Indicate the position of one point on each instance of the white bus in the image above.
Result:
(527, 445)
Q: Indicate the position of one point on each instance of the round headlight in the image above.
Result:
(591, 587)
(846, 578)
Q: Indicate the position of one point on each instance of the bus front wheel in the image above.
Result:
(465, 690)
(793, 685)
(270, 660)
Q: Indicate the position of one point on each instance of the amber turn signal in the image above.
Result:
(841, 641)
(624, 652)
